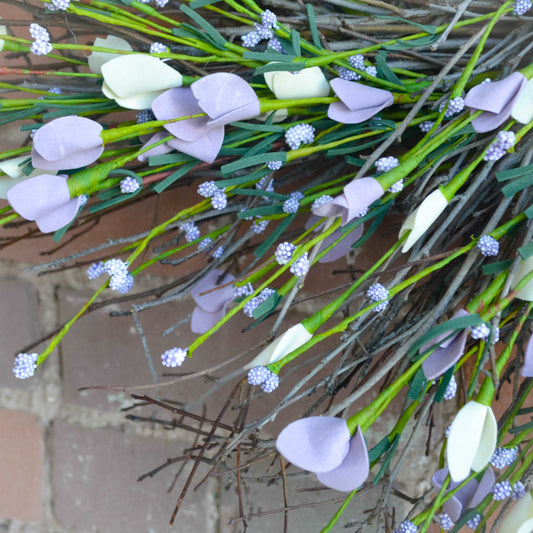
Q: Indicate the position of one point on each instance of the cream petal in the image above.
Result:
(97, 59)
(419, 221)
(3, 31)
(279, 115)
(136, 74)
(519, 516)
(524, 268)
(522, 110)
(487, 444)
(464, 438)
(306, 83)
(292, 339)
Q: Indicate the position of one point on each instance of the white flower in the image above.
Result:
(306, 83)
(135, 81)
(97, 59)
(524, 268)
(14, 173)
(3, 31)
(292, 339)
(419, 221)
(522, 110)
(520, 518)
(472, 440)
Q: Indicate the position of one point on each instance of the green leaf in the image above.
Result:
(378, 450)
(388, 459)
(357, 147)
(264, 309)
(195, 4)
(257, 192)
(452, 325)
(273, 67)
(496, 268)
(443, 385)
(417, 385)
(262, 146)
(312, 25)
(166, 159)
(519, 429)
(526, 251)
(514, 173)
(58, 235)
(262, 211)
(269, 55)
(354, 161)
(415, 43)
(295, 40)
(169, 180)
(384, 69)
(113, 201)
(209, 30)
(428, 28)
(273, 237)
(529, 212)
(379, 216)
(518, 185)
(258, 127)
(466, 515)
(258, 174)
(251, 161)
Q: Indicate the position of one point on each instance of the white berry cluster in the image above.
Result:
(173, 357)
(41, 45)
(261, 375)
(298, 135)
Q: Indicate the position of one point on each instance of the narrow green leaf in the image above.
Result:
(263, 146)
(312, 25)
(269, 55)
(415, 43)
(518, 185)
(428, 28)
(496, 268)
(264, 309)
(354, 161)
(208, 28)
(273, 67)
(113, 201)
(169, 180)
(378, 450)
(417, 385)
(529, 212)
(258, 127)
(526, 251)
(251, 161)
(384, 69)
(519, 429)
(257, 192)
(263, 211)
(167, 159)
(243, 179)
(505, 175)
(273, 237)
(388, 459)
(443, 385)
(380, 215)
(195, 4)
(295, 40)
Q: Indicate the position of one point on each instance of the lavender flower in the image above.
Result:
(426, 125)
(284, 252)
(61, 5)
(251, 39)
(41, 48)
(377, 292)
(265, 184)
(259, 226)
(519, 491)
(321, 200)
(521, 7)
(83, 199)
(271, 383)
(258, 375)
(297, 195)
(249, 307)
(192, 232)
(25, 365)
(263, 32)
(116, 267)
(445, 522)
(161, 3)
(406, 527)
(396, 187)
(145, 115)
(347, 74)
(244, 290)
(95, 270)
(274, 165)
(158, 48)
(501, 491)
(488, 246)
(120, 283)
(503, 457)
(384, 164)
(357, 61)
(474, 522)
(299, 134)
(371, 71)
(269, 19)
(173, 357)
(55, 90)
(217, 254)
(265, 294)
(301, 266)
(129, 185)
(504, 140)
(219, 200)
(205, 243)
(483, 332)
(291, 206)
(208, 189)
(455, 105)
(38, 33)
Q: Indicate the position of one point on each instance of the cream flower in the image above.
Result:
(14, 173)
(135, 81)
(306, 83)
(419, 221)
(472, 440)
(97, 59)
(292, 339)
(3, 31)
(520, 518)
(524, 268)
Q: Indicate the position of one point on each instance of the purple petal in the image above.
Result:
(448, 353)
(527, 369)
(341, 249)
(215, 300)
(161, 149)
(67, 142)
(202, 321)
(358, 102)
(176, 103)
(357, 196)
(353, 470)
(205, 148)
(318, 443)
(496, 99)
(484, 487)
(225, 98)
(45, 199)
